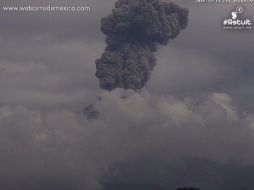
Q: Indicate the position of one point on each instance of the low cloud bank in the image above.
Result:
(138, 138)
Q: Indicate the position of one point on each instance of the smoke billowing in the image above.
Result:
(133, 30)
(176, 133)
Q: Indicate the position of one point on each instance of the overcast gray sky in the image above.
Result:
(191, 125)
(47, 59)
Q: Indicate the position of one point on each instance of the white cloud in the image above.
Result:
(160, 130)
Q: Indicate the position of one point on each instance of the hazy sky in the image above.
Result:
(47, 59)
(191, 125)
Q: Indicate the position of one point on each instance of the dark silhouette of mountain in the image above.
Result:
(138, 186)
(90, 112)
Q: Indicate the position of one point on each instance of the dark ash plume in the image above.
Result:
(133, 30)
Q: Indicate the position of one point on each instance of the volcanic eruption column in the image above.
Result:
(133, 30)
